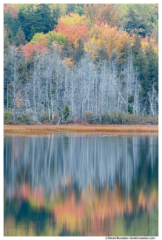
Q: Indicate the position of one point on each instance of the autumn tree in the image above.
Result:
(94, 12)
(74, 33)
(73, 19)
(30, 50)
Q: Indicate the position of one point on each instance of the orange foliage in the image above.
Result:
(75, 32)
(105, 36)
(153, 200)
(149, 40)
(107, 205)
(70, 214)
(147, 202)
(68, 62)
(123, 43)
(111, 39)
(94, 214)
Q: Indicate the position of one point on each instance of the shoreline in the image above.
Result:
(80, 129)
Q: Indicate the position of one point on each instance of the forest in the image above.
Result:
(74, 63)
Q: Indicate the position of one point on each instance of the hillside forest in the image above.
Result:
(67, 63)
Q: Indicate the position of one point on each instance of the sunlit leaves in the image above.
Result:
(73, 33)
(50, 36)
(149, 40)
(73, 19)
(37, 37)
(30, 50)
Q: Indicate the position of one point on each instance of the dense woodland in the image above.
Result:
(80, 62)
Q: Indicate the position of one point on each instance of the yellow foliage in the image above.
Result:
(68, 62)
(109, 38)
(146, 41)
(73, 19)
(105, 36)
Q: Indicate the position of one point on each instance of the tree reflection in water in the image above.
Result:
(85, 185)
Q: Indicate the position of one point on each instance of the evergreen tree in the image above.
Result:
(44, 19)
(147, 67)
(10, 37)
(79, 9)
(79, 50)
(70, 8)
(32, 33)
(20, 37)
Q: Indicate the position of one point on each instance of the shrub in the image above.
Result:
(44, 116)
(70, 122)
(88, 116)
(46, 121)
(25, 119)
(130, 109)
(63, 122)
(8, 116)
(94, 123)
(53, 122)
(65, 113)
(80, 121)
(11, 122)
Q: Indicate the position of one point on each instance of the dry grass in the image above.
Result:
(108, 129)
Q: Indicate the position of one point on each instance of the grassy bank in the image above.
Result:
(74, 128)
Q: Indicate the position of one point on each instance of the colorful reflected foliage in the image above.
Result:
(147, 201)
(70, 214)
(94, 214)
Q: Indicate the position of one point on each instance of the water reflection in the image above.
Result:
(81, 185)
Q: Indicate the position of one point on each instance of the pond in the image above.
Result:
(81, 185)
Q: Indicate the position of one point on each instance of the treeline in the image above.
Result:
(81, 59)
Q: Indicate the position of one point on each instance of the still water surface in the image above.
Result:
(91, 185)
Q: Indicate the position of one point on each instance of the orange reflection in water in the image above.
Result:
(94, 214)
(70, 214)
(146, 201)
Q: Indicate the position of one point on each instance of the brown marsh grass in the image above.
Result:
(81, 129)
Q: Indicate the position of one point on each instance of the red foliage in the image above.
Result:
(101, 21)
(73, 33)
(31, 50)
(25, 191)
(11, 9)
